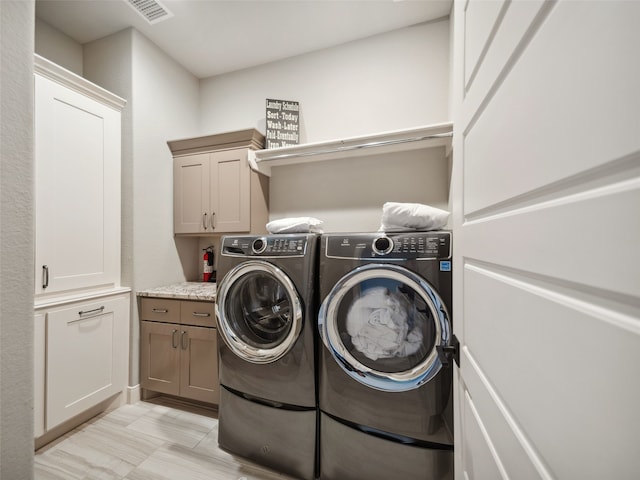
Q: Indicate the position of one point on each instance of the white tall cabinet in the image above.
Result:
(77, 149)
(81, 311)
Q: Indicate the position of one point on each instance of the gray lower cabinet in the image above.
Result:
(179, 349)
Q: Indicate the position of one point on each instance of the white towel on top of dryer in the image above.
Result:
(411, 216)
(378, 323)
(295, 225)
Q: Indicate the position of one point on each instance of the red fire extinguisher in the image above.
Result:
(207, 264)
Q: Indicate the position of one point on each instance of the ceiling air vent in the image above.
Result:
(152, 10)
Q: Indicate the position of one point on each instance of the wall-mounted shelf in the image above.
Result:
(387, 142)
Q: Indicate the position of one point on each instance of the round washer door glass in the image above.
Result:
(259, 312)
(383, 324)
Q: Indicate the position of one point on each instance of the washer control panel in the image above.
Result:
(265, 246)
(406, 245)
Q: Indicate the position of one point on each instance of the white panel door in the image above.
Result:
(39, 373)
(77, 150)
(546, 212)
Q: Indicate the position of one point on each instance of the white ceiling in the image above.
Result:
(210, 37)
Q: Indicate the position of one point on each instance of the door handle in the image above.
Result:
(84, 315)
(174, 339)
(183, 336)
(91, 312)
(45, 276)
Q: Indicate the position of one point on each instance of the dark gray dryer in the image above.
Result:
(384, 395)
(266, 318)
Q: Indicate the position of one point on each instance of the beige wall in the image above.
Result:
(16, 239)
(54, 45)
(387, 82)
(348, 194)
(162, 104)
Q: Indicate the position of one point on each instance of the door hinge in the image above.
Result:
(448, 352)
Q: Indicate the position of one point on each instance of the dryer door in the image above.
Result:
(383, 324)
(259, 312)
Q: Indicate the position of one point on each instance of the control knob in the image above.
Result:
(382, 245)
(259, 245)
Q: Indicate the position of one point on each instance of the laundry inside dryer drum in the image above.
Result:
(386, 325)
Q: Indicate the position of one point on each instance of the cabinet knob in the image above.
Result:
(183, 337)
(174, 339)
(204, 220)
(213, 216)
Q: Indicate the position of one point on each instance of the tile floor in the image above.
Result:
(159, 439)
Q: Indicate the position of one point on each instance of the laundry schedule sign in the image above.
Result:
(283, 123)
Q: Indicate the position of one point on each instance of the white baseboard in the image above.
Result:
(133, 394)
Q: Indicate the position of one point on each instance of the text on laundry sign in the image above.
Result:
(283, 123)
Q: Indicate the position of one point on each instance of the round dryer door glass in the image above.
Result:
(382, 324)
(259, 312)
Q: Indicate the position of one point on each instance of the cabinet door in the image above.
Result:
(39, 365)
(199, 364)
(160, 357)
(230, 179)
(191, 210)
(87, 347)
(77, 151)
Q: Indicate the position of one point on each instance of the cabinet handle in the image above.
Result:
(159, 310)
(204, 220)
(91, 312)
(213, 216)
(174, 339)
(196, 314)
(183, 336)
(45, 276)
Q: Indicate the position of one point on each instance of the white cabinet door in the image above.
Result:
(77, 150)
(39, 366)
(87, 352)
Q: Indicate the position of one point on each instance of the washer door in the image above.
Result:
(382, 324)
(259, 312)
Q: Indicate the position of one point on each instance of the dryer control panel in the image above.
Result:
(400, 246)
(265, 246)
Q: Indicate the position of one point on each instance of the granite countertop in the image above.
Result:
(183, 291)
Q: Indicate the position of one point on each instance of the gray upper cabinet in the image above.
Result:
(215, 190)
